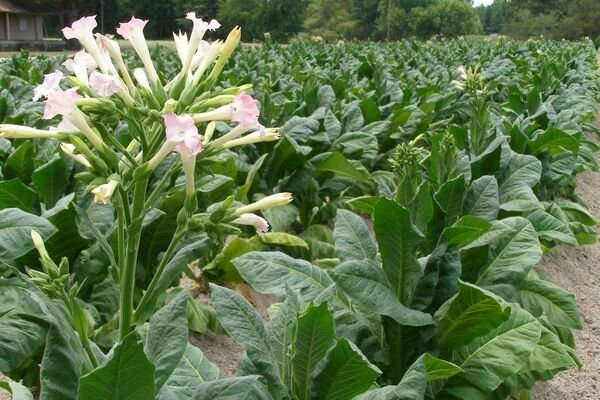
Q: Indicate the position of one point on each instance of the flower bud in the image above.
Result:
(274, 200)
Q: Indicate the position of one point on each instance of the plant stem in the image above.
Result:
(127, 282)
(159, 271)
(163, 181)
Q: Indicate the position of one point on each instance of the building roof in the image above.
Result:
(7, 6)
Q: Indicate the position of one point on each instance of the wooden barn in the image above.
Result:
(20, 24)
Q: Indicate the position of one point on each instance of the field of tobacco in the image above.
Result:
(395, 198)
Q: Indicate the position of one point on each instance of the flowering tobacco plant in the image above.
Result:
(161, 118)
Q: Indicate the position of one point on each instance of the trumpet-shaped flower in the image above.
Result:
(104, 192)
(82, 30)
(274, 200)
(260, 224)
(134, 32)
(114, 50)
(50, 85)
(81, 65)
(180, 129)
(243, 110)
(105, 85)
(181, 45)
(64, 126)
(60, 103)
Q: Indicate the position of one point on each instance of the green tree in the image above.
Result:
(330, 19)
(587, 15)
(283, 18)
(243, 13)
(456, 17)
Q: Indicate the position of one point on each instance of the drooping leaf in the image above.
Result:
(364, 282)
(482, 199)
(125, 375)
(14, 194)
(470, 314)
(15, 232)
(242, 388)
(516, 181)
(352, 238)
(346, 373)
(50, 180)
(272, 272)
(167, 338)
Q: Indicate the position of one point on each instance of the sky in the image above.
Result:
(484, 2)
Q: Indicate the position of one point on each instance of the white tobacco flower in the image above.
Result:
(200, 28)
(141, 78)
(260, 224)
(181, 45)
(69, 150)
(274, 200)
(134, 32)
(104, 192)
(113, 48)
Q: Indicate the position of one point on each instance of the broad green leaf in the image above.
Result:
(470, 314)
(312, 338)
(482, 199)
(516, 181)
(272, 272)
(126, 374)
(489, 360)
(338, 164)
(364, 282)
(345, 373)
(281, 333)
(352, 238)
(554, 141)
(512, 250)
(283, 239)
(22, 328)
(20, 163)
(466, 230)
(542, 297)
(245, 326)
(549, 227)
(192, 370)
(398, 240)
(167, 338)
(238, 388)
(19, 392)
(14, 194)
(84, 217)
(15, 232)
(61, 367)
(450, 198)
(414, 383)
(50, 181)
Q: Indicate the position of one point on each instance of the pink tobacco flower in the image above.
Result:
(133, 28)
(80, 28)
(260, 224)
(180, 129)
(60, 102)
(81, 65)
(105, 85)
(50, 85)
(244, 110)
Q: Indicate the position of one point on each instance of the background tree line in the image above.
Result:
(342, 19)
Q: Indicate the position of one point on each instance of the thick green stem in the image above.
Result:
(127, 283)
(159, 271)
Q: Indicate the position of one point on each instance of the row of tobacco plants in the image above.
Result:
(427, 181)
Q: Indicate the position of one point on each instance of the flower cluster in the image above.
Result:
(163, 117)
